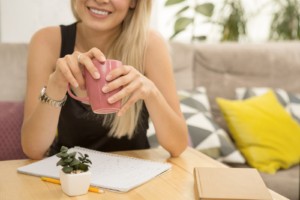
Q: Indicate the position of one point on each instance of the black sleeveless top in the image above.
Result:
(79, 126)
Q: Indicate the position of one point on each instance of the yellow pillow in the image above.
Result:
(264, 132)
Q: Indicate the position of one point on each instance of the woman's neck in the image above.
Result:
(87, 38)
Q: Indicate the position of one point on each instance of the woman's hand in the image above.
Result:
(133, 83)
(69, 68)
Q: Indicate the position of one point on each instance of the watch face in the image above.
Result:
(43, 91)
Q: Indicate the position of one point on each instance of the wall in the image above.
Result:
(21, 18)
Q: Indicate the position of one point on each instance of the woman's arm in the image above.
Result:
(163, 103)
(45, 68)
(40, 120)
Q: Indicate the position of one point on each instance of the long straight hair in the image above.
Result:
(129, 47)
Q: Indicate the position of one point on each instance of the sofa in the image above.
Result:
(220, 68)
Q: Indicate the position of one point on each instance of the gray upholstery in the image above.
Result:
(219, 67)
(223, 67)
(13, 71)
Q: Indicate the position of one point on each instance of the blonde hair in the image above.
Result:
(129, 47)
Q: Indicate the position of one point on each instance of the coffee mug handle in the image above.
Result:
(82, 99)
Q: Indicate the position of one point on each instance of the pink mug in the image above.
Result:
(95, 97)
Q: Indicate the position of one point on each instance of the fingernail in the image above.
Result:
(96, 75)
(108, 77)
(110, 100)
(104, 89)
(75, 85)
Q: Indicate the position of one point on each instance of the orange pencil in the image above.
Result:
(56, 181)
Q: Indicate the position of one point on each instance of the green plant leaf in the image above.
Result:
(174, 34)
(67, 169)
(83, 167)
(75, 162)
(64, 149)
(68, 160)
(62, 155)
(205, 9)
(182, 10)
(60, 162)
(173, 2)
(88, 161)
(73, 154)
(81, 155)
(200, 37)
(181, 23)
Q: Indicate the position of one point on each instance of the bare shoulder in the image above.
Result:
(46, 42)
(47, 35)
(157, 49)
(156, 41)
(157, 54)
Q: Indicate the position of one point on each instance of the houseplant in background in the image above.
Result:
(232, 20)
(188, 15)
(75, 176)
(285, 23)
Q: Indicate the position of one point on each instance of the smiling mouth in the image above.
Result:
(99, 12)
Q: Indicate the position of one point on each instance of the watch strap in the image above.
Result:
(44, 98)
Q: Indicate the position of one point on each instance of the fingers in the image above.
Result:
(86, 60)
(133, 87)
(76, 71)
(120, 71)
(71, 66)
(96, 53)
(134, 98)
(135, 90)
(119, 77)
(63, 67)
(88, 64)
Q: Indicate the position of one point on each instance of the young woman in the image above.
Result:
(115, 29)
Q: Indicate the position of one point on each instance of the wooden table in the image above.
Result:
(177, 183)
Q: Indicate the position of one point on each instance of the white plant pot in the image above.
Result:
(75, 184)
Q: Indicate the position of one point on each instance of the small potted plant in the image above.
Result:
(75, 176)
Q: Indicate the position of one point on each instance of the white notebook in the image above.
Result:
(110, 171)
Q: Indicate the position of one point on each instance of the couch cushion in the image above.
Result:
(223, 67)
(182, 59)
(191, 103)
(11, 117)
(291, 102)
(285, 182)
(288, 177)
(264, 132)
(13, 71)
(205, 135)
(196, 110)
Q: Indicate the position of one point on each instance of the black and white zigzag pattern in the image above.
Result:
(205, 134)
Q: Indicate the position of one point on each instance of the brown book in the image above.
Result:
(229, 183)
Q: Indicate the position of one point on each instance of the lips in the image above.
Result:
(99, 12)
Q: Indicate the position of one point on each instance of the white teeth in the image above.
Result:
(99, 12)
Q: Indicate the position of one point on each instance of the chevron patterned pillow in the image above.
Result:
(205, 135)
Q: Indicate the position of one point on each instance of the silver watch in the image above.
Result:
(44, 98)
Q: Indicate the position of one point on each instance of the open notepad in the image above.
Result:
(110, 171)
